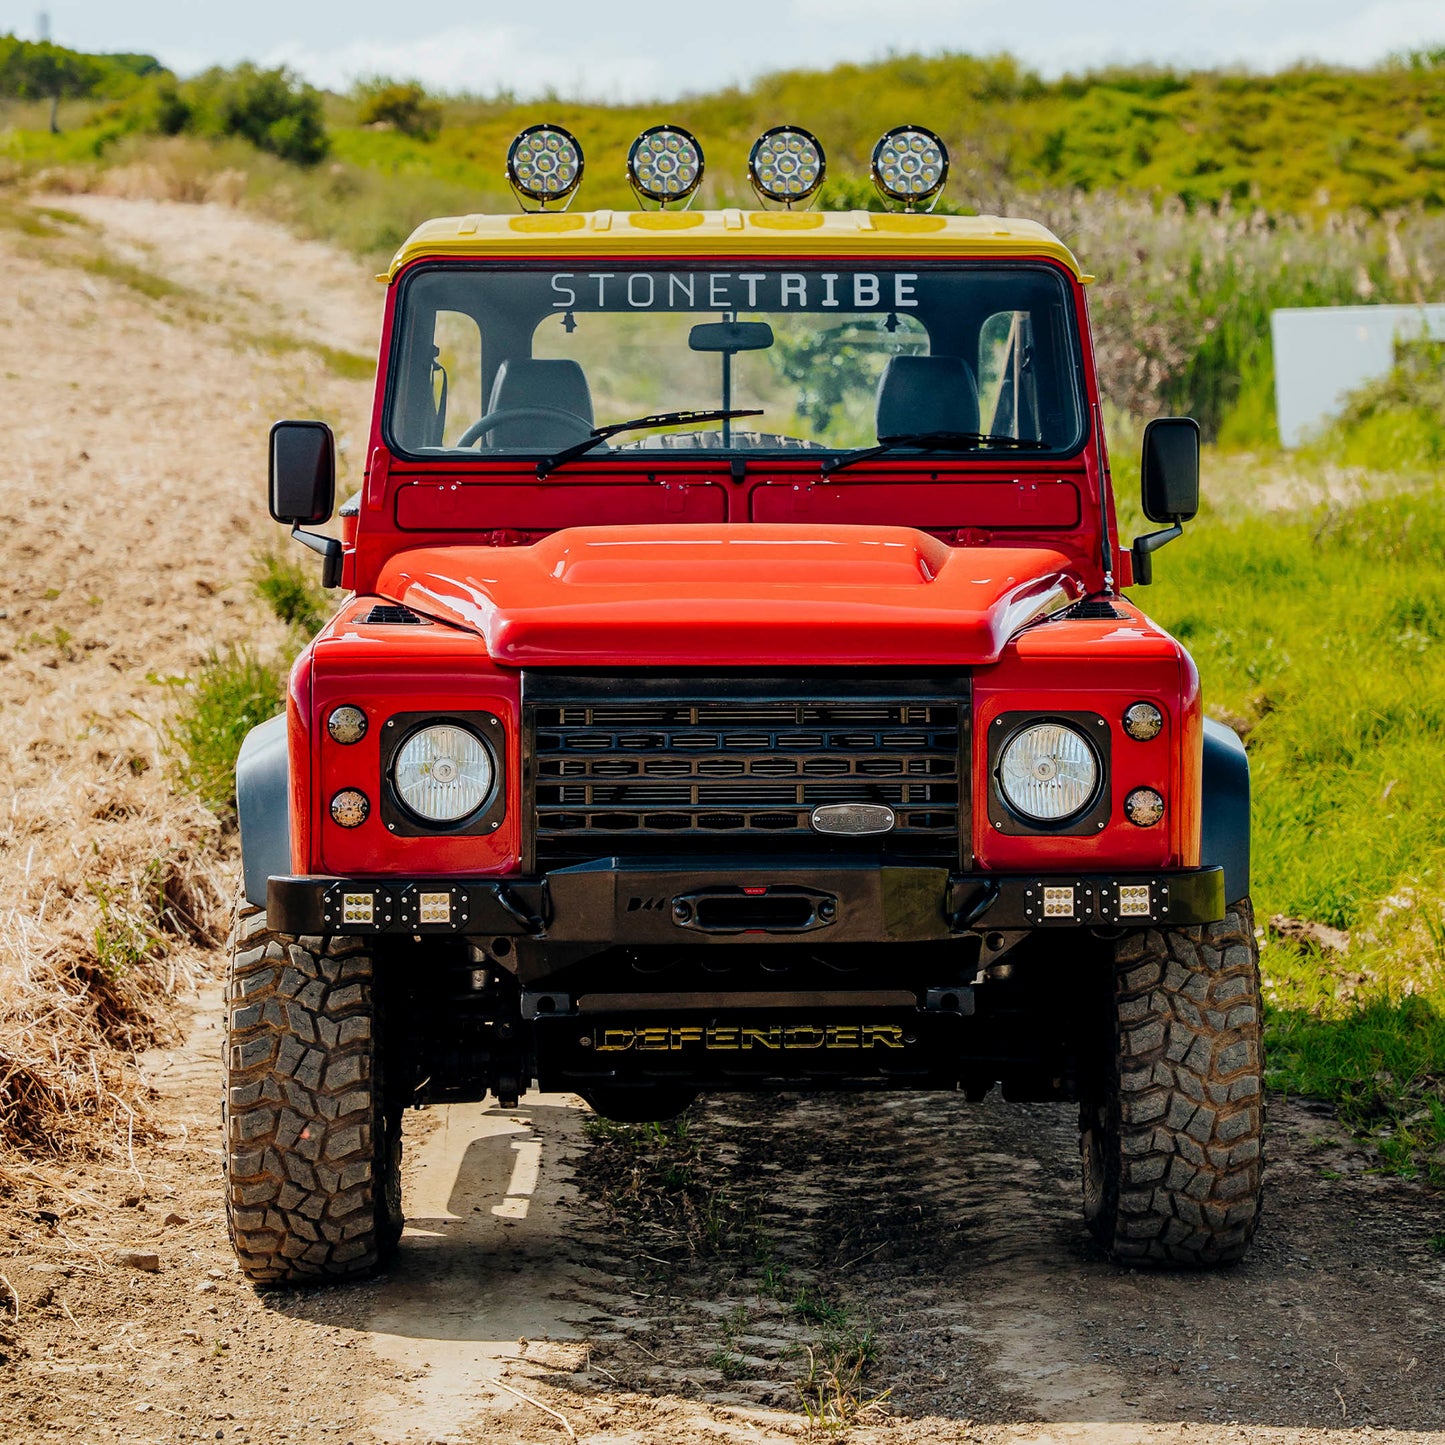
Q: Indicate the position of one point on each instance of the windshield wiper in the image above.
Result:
(601, 433)
(932, 441)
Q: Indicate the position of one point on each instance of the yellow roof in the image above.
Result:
(680, 233)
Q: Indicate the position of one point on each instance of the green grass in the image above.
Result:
(233, 692)
(1322, 638)
(1325, 636)
(1397, 422)
(289, 588)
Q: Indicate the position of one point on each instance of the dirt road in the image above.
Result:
(558, 1280)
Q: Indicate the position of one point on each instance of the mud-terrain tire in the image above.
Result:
(313, 1147)
(1172, 1142)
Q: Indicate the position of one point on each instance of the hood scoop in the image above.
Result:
(385, 614)
(748, 596)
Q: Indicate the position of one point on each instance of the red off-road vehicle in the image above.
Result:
(735, 691)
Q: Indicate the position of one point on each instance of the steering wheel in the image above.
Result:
(479, 429)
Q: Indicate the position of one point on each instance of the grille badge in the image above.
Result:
(853, 818)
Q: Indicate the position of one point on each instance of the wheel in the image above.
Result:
(313, 1147)
(1172, 1140)
(639, 1104)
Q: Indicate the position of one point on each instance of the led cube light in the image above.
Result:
(358, 908)
(665, 165)
(1134, 900)
(544, 166)
(910, 164)
(786, 164)
(1058, 902)
(434, 908)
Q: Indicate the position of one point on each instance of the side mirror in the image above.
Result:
(1169, 470)
(303, 488)
(1169, 484)
(303, 472)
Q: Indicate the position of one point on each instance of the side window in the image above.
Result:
(1007, 382)
(456, 376)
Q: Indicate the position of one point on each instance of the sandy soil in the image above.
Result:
(531, 1301)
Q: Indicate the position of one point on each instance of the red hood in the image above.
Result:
(734, 596)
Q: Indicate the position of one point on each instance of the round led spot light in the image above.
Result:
(787, 165)
(544, 166)
(443, 773)
(1143, 721)
(350, 808)
(910, 164)
(1144, 807)
(665, 165)
(1048, 772)
(347, 724)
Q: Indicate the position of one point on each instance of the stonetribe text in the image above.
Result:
(722, 291)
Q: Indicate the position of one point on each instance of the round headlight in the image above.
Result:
(665, 164)
(443, 773)
(786, 164)
(910, 164)
(1048, 772)
(347, 724)
(544, 165)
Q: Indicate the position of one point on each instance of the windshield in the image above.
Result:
(528, 361)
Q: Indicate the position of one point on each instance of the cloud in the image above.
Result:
(486, 59)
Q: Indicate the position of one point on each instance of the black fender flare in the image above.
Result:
(1224, 825)
(263, 806)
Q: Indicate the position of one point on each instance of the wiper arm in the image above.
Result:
(640, 423)
(932, 441)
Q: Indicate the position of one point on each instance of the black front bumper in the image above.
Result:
(740, 900)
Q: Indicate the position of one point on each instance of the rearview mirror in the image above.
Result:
(730, 336)
(303, 472)
(1169, 471)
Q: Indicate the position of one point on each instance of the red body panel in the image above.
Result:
(735, 596)
(387, 670)
(1102, 667)
(663, 563)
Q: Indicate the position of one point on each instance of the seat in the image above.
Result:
(531, 382)
(926, 394)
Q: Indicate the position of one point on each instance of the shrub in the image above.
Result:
(272, 110)
(402, 105)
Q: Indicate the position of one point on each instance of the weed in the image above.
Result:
(833, 1394)
(728, 1360)
(234, 691)
(813, 1309)
(123, 940)
(288, 588)
(1436, 1242)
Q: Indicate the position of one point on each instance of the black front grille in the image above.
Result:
(723, 771)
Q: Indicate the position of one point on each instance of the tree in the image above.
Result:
(42, 71)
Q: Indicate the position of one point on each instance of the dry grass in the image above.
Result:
(131, 511)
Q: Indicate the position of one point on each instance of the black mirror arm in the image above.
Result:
(1143, 552)
(331, 554)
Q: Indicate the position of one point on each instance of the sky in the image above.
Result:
(655, 49)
